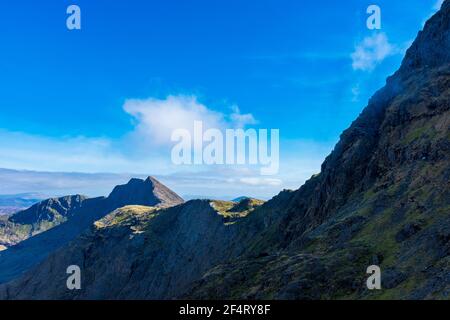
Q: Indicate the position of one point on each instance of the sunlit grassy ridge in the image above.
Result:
(135, 216)
(235, 210)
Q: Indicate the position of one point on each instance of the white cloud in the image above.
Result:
(56, 162)
(219, 183)
(371, 52)
(83, 154)
(143, 150)
(241, 120)
(356, 91)
(156, 119)
(56, 157)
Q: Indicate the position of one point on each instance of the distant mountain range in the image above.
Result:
(382, 198)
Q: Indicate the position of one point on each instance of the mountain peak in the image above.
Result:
(432, 45)
(150, 178)
(149, 192)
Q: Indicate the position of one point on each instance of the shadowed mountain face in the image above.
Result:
(147, 193)
(37, 219)
(382, 197)
(138, 252)
(65, 218)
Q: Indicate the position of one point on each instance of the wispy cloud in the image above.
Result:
(90, 154)
(356, 91)
(225, 183)
(155, 119)
(301, 160)
(371, 51)
(55, 184)
(257, 181)
(98, 163)
(145, 149)
(240, 120)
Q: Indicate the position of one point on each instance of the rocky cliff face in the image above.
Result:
(149, 192)
(48, 210)
(382, 197)
(37, 219)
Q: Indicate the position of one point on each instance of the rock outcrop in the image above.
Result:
(382, 197)
(149, 192)
(37, 219)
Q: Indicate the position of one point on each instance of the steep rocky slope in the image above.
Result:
(134, 253)
(382, 197)
(13, 203)
(149, 192)
(37, 219)
(76, 217)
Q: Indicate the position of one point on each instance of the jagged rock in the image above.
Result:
(149, 192)
(37, 219)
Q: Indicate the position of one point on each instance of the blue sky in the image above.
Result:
(306, 68)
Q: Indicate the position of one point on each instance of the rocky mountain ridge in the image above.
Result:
(37, 219)
(382, 198)
(65, 218)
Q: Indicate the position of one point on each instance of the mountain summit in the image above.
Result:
(149, 192)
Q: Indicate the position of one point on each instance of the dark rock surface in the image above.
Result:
(37, 219)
